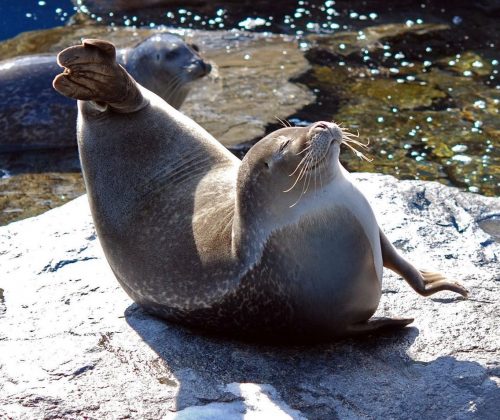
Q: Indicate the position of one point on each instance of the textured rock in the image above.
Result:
(73, 345)
(253, 86)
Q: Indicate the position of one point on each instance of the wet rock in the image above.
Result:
(253, 86)
(400, 95)
(467, 64)
(372, 38)
(28, 194)
(73, 345)
(427, 114)
(105, 6)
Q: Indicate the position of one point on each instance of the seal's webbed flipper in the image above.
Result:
(378, 324)
(91, 73)
(425, 283)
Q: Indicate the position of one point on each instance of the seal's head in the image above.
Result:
(165, 64)
(292, 162)
(279, 179)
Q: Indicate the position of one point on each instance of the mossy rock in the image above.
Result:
(400, 95)
(468, 63)
(56, 39)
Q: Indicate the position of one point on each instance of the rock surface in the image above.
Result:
(73, 345)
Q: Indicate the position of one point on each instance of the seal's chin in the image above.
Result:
(331, 159)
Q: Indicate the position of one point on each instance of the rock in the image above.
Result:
(426, 101)
(253, 86)
(73, 345)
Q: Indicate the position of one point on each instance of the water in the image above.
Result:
(419, 80)
(18, 16)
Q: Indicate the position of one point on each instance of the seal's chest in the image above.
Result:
(330, 247)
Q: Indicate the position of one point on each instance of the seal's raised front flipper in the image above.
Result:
(423, 282)
(91, 73)
(378, 324)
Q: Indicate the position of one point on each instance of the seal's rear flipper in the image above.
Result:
(378, 324)
(423, 282)
(91, 73)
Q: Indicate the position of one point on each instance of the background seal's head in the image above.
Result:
(166, 65)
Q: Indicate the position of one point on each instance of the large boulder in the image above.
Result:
(73, 345)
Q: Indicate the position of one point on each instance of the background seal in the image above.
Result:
(33, 116)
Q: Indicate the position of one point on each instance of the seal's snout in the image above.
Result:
(327, 129)
(321, 136)
(199, 68)
(324, 133)
(206, 67)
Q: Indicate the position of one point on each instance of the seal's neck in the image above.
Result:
(257, 215)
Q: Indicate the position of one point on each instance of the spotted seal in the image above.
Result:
(33, 116)
(280, 244)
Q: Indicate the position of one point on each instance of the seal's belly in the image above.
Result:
(327, 270)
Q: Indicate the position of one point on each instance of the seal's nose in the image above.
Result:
(321, 124)
(207, 67)
(331, 129)
(200, 67)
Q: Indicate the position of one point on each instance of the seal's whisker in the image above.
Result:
(304, 185)
(305, 149)
(299, 177)
(303, 192)
(300, 163)
(346, 131)
(363, 145)
(307, 176)
(281, 121)
(305, 164)
(320, 178)
(358, 153)
(174, 80)
(174, 86)
(315, 185)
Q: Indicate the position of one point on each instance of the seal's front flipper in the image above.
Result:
(423, 282)
(378, 324)
(91, 73)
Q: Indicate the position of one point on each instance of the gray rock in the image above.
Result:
(73, 345)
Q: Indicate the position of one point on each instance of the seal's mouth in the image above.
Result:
(314, 155)
(318, 151)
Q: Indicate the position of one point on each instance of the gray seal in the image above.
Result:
(280, 244)
(33, 116)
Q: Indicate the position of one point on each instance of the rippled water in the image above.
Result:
(18, 16)
(418, 80)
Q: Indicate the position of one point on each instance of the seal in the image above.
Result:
(33, 116)
(280, 244)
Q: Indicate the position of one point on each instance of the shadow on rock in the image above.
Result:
(373, 377)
